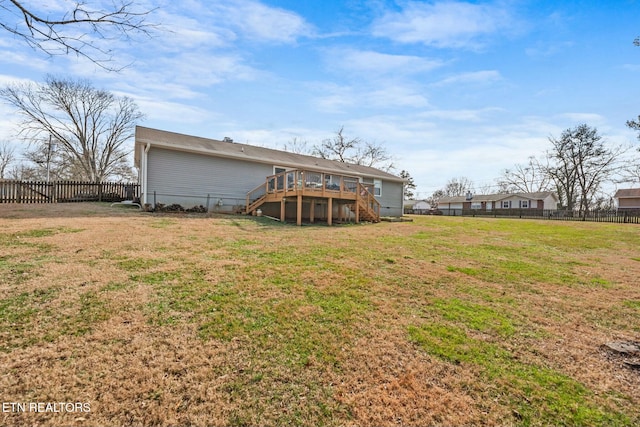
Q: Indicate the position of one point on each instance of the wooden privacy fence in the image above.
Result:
(14, 191)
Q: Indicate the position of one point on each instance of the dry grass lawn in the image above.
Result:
(151, 319)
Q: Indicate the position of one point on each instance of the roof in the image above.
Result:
(233, 150)
(627, 193)
(497, 197)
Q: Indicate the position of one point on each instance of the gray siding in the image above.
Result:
(391, 199)
(187, 179)
(191, 179)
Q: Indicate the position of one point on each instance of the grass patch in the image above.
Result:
(634, 304)
(442, 321)
(539, 395)
(138, 264)
(475, 316)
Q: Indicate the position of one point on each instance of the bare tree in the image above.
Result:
(525, 178)
(77, 29)
(458, 186)
(354, 150)
(90, 126)
(297, 146)
(7, 156)
(630, 172)
(434, 199)
(579, 164)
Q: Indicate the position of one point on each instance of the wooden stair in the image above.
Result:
(255, 204)
(295, 185)
(365, 212)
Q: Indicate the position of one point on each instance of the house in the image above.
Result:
(417, 206)
(546, 200)
(226, 176)
(628, 199)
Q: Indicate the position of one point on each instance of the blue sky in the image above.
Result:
(450, 88)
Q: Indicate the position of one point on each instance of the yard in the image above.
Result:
(152, 319)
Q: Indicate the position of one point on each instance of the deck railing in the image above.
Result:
(295, 180)
(313, 183)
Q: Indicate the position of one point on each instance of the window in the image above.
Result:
(332, 182)
(476, 205)
(280, 180)
(524, 204)
(377, 187)
(506, 204)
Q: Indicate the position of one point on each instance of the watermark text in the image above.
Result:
(52, 407)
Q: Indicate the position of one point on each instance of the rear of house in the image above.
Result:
(192, 171)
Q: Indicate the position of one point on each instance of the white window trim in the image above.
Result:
(377, 184)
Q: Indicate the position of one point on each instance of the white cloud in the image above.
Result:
(580, 118)
(341, 98)
(443, 24)
(460, 115)
(371, 62)
(258, 22)
(165, 111)
(473, 77)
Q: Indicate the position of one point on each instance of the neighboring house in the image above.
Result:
(628, 199)
(230, 177)
(420, 207)
(489, 202)
(416, 206)
(408, 206)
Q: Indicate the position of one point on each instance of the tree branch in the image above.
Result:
(78, 30)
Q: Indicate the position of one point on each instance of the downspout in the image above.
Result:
(144, 173)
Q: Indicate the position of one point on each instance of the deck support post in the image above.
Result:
(283, 210)
(312, 209)
(357, 210)
(329, 211)
(299, 210)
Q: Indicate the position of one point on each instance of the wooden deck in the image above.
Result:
(302, 187)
